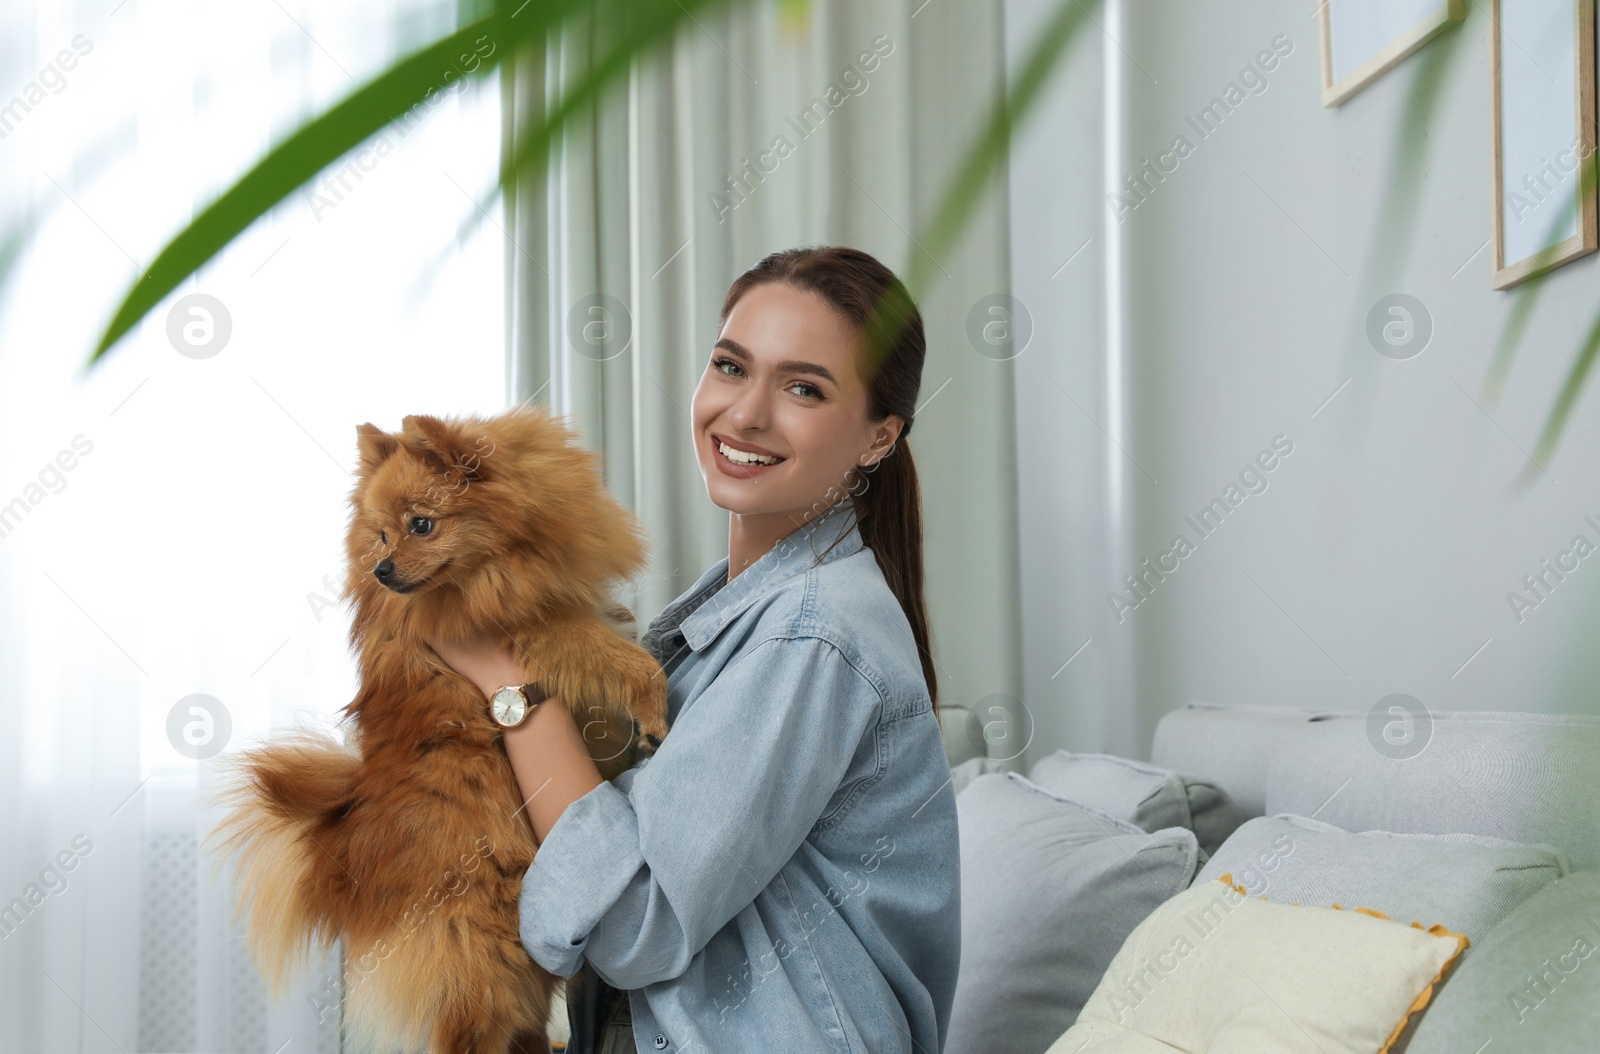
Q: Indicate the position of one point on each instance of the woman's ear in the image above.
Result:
(885, 437)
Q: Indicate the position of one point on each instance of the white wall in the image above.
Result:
(1380, 557)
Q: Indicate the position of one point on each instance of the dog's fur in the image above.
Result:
(410, 841)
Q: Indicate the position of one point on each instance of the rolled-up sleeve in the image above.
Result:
(638, 875)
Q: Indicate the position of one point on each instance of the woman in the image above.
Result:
(783, 874)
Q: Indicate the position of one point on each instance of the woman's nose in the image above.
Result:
(749, 410)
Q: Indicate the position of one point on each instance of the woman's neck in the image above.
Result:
(751, 536)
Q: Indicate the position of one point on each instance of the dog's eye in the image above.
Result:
(385, 536)
(421, 525)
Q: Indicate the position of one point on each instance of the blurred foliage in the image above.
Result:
(1525, 297)
(12, 242)
(490, 34)
(492, 31)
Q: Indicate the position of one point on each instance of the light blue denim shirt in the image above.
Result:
(784, 874)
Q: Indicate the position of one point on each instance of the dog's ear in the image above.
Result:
(375, 445)
(444, 444)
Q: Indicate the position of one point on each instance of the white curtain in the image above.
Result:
(626, 244)
(172, 523)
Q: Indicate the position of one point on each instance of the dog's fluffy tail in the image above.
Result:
(284, 801)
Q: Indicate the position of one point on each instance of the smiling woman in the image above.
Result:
(804, 763)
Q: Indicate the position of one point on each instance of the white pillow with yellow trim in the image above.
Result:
(1214, 969)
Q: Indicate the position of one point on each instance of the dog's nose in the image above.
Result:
(384, 570)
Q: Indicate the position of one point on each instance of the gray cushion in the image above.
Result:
(1049, 891)
(1466, 882)
(1532, 985)
(972, 768)
(1524, 777)
(1148, 796)
(1230, 744)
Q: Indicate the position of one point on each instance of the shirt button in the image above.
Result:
(661, 1041)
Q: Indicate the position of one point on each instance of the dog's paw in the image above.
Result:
(647, 698)
(647, 744)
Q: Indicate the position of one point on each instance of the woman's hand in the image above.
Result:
(548, 755)
(485, 660)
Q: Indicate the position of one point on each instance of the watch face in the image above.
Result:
(509, 706)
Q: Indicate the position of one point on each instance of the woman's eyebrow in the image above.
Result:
(733, 347)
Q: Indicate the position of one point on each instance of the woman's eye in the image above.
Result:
(421, 525)
(806, 391)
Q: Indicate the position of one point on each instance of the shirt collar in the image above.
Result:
(794, 555)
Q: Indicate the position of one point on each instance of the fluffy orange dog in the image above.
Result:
(410, 842)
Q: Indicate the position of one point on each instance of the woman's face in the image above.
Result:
(782, 381)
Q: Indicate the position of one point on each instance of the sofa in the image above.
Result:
(1285, 879)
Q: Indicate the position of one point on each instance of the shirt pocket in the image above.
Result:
(866, 768)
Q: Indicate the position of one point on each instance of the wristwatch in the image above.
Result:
(512, 703)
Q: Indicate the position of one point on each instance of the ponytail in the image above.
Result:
(889, 512)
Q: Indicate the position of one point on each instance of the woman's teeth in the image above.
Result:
(741, 457)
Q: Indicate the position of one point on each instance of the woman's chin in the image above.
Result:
(730, 499)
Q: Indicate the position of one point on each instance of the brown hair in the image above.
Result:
(887, 500)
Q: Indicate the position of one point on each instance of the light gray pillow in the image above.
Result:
(1532, 985)
(971, 769)
(1147, 796)
(1531, 777)
(1049, 891)
(1467, 882)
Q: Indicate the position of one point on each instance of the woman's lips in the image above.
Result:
(733, 468)
(748, 448)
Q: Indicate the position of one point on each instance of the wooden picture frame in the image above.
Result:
(1552, 82)
(1375, 36)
